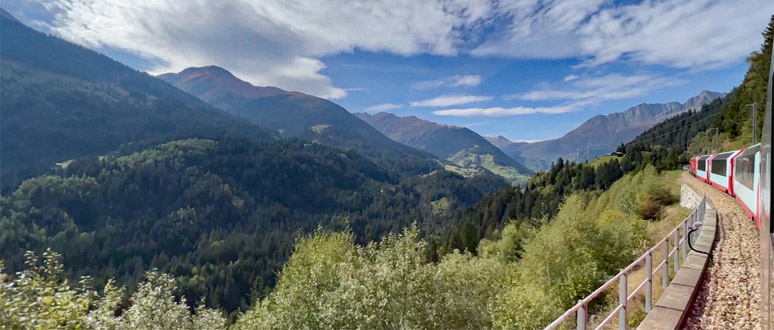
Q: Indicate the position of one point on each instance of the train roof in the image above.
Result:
(725, 155)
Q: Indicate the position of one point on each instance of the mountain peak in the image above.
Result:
(704, 97)
(213, 70)
(4, 14)
(499, 141)
(213, 82)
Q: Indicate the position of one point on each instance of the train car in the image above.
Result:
(746, 178)
(722, 171)
(701, 167)
(692, 168)
(764, 212)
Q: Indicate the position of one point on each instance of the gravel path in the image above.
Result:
(730, 294)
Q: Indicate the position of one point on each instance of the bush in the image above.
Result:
(41, 297)
(330, 283)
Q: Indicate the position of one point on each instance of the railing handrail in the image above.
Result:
(581, 308)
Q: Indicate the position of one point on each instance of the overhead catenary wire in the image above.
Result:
(643, 141)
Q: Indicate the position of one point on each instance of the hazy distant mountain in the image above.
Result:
(601, 134)
(60, 101)
(458, 145)
(291, 113)
(499, 141)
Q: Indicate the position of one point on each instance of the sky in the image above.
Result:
(526, 69)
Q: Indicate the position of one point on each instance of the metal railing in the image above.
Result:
(581, 309)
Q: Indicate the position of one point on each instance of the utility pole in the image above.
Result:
(716, 141)
(755, 123)
(588, 156)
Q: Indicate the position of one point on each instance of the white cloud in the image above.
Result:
(677, 33)
(383, 107)
(267, 42)
(281, 43)
(592, 90)
(697, 34)
(453, 81)
(502, 112)
(570, 77)
(580, 92)
(449, 100)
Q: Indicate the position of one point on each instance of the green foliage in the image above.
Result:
(41, 297)
(539, 199)
(510, 246)
(220, 215)
(522, 281)
(567, 259)
(581, 248)
(691, 134)
(332, 284)
(736, 117)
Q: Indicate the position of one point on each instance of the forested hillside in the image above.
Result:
(61, 101)
(331, 281)
(219, 215)
(295, 114)
(693, 133)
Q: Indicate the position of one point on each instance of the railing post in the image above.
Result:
(622, 295)
(684, 246)
(665, 270)
(649, 286)
(677, 251)
(582, 312)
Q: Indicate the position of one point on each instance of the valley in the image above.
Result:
(188, 192)
(465, 151)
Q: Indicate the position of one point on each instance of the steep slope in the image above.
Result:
(603, 133)
(458, 145)
(290, 113)
(60, 101)
(220, 215)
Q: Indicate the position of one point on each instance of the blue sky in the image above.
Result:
(524, 69)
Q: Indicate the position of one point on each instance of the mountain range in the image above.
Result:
(464, 149)
(62, 101)
(600, 134)
(292, 114)
(120, 172)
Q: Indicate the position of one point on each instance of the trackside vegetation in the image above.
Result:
(523, 279)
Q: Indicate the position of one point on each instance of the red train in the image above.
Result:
(736, 173)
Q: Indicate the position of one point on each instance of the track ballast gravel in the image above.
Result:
(729, 297)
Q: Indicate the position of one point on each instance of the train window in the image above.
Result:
(744, 167)
(718, 167)
(701, 164)
(719, 163)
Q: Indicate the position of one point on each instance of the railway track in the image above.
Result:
(729, 297)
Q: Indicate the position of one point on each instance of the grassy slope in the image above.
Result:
(601, 160)
(468, 162)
